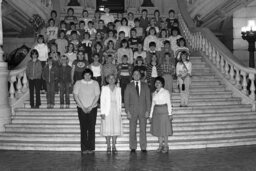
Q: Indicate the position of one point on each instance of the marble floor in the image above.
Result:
(241, 158)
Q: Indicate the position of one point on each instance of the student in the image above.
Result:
(144, 21)
(64, 79)
(50, 75)
(51, 31)
(102, 29)
(167, 49)
(139, 65)
(78, 66)
(54, 54)
(62, 43)
(81, 29)
(72, 29)
(183, 71)
(86, 18)
(124, 50)
(91, 30)
(34, 72)
(181, 42)
(63, 27)
(96, 19)
(151, 38)
(70, 17)
(96, 68)
(110, 50)
(43, 51)
(157, 18)
(153, 71)
(87, 45)
(152, 24)
(108, 69)
(168, 69)
(163, 36)
(133, 40)
(152, 51)
(71, 54)
(125, 28)
(98, 48)
(175, 35)
(124, 74)
(107, 17)
(98, 39)
(171, 19)
(55, 17)
(74, 39)
(131, 20)
(110, 38)
(121, 37)
(140, 52)
(139, 30)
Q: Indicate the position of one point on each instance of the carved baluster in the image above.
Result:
(232, 74)
(217, 59)
(252, 87)
(19, 86)
(244, 91)
(203, 44)
(222, 69)
(227, 70)
(207, 47)
(12, 89)
(238, 78)
(25, 82)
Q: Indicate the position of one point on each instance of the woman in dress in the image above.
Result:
(111, 105)
(161, 115)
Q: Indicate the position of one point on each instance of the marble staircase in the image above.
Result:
(214, 118)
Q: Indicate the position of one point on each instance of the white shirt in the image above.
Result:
(107, 18)
(182, 70)
(154, 72)
(139, 84)
(125, 29)
(160, 98)
(52, 32)
(42, 51)
(149, 39)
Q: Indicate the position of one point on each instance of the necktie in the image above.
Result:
(137, 87)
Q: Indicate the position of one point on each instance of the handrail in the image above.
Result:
(237, 76)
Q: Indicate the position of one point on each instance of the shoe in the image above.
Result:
(67, 106)
(84, 152)
(144, 151)
(36, 107)
(109, 149)
(61, 106)
(90, 151)
(114, 149)
(165, 149)
(160, 148)
(133, 151)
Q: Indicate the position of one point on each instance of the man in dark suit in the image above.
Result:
(137, 106)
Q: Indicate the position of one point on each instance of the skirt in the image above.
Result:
(161, 124)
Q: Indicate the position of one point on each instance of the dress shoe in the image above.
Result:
(133, 150)
(143, 151)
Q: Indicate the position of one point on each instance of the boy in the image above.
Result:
(72, 28)
(74, 40)
(91, 30)
(139, 30)
(121, 36)
(62, 43)
(64, 78)
(81, 29)
(166, 49)
(110, 37)
(107, 18)
(124, 74)
(152, 50)
(102, 29)
(51, 31)
(133, 41)
(70, 17)
(144, 21)
(50, 75)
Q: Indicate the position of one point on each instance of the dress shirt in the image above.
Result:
(139, 84)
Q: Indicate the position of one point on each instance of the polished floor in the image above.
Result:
(241, 158)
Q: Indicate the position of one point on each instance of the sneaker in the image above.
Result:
(165, 149)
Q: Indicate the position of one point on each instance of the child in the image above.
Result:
(96, 68)
(121, 37)
(125, 28)
(140, 52)
(152, 24)
(64, 79)
(56, 19)
(141, 67)
(124, 50)
(166, 49)
(133, 41)
(153, 71)
(81, 29)
(70, 17)
(63, 27)
(151, 52)
(85, 18)
(107, 17)
(42, 50)
(98, 39)
(87, 44)
(110, 51)
(74, 40)
(78, 66)
(124, 74)
(171, 19)
(96, 19)
(62, 43)
(102, 29)
(163, 37)
(144, 21)
(98, 48)
(117, 25)
(175, 35)
(110, 38)
(151, 38)
(157, 18)
(139, 30)
(51, 31)
(71, 54)
(181, 42)
(168, 68)
(91, 30)
(50, 75)
(183, 71)
(72, 29)
(54, 54)
(108, 69)
(131, 20)
(34, 72)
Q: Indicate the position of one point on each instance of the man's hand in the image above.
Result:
(170, 117)
(146, 115)
(129, 115)
(85, 110)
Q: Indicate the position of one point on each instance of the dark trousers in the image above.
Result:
(43, 82)
(152, 84)
(50, 92)
(98, 79)
(64, 91)
(87, 127)
(124, 81)
(34, 87)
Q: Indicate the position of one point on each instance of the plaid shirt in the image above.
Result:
(167, 68)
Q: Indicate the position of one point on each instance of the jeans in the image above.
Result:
(34, 86)
(50, 92)
(64, 91)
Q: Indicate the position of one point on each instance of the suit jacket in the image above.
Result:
(134, 103)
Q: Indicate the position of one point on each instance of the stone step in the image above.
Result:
(75, 146)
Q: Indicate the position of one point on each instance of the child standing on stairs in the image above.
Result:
(183, 71)
(50, 75)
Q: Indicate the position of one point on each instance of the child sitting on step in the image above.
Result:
(50, 75)
(183, 71)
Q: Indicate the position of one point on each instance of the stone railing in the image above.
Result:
(240, 79)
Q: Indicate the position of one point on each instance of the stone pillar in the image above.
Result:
(5, 110)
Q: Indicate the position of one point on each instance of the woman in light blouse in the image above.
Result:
(161, 115)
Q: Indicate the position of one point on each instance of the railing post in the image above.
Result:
(24, 82)
(232, 74)
(252, 87)
(217, 59)
(19, 86)
(244, 91)
(222, 69)
(226, 70)
(238, 79)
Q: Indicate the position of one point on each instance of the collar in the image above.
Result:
(152, 51)
(86, 82)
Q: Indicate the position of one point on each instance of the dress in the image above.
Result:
(112, 124)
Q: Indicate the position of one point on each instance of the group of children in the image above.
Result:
(107, 45)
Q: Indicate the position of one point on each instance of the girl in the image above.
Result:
(111, 51)
(163, 37)
(78, 66)
(98, 38)
(157, 18)
(140, 52)
(34, 72)
(151, 38)
(62, 43)
(51, 31)
(124, 27)
(96, 68)
(181, 42)
(70, 17)
(153, 24)
(71, 54)
(175, 35)
(108, 69)
(131, 20)
(168, 68)
(87, 45)
(124, 50)
(54, 54)
(110, 38)
(91, 30)
(153, 71)
(85, 18)
(183, 71)
(96, 19)
(98, 48)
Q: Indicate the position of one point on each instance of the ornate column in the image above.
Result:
(5, 110)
